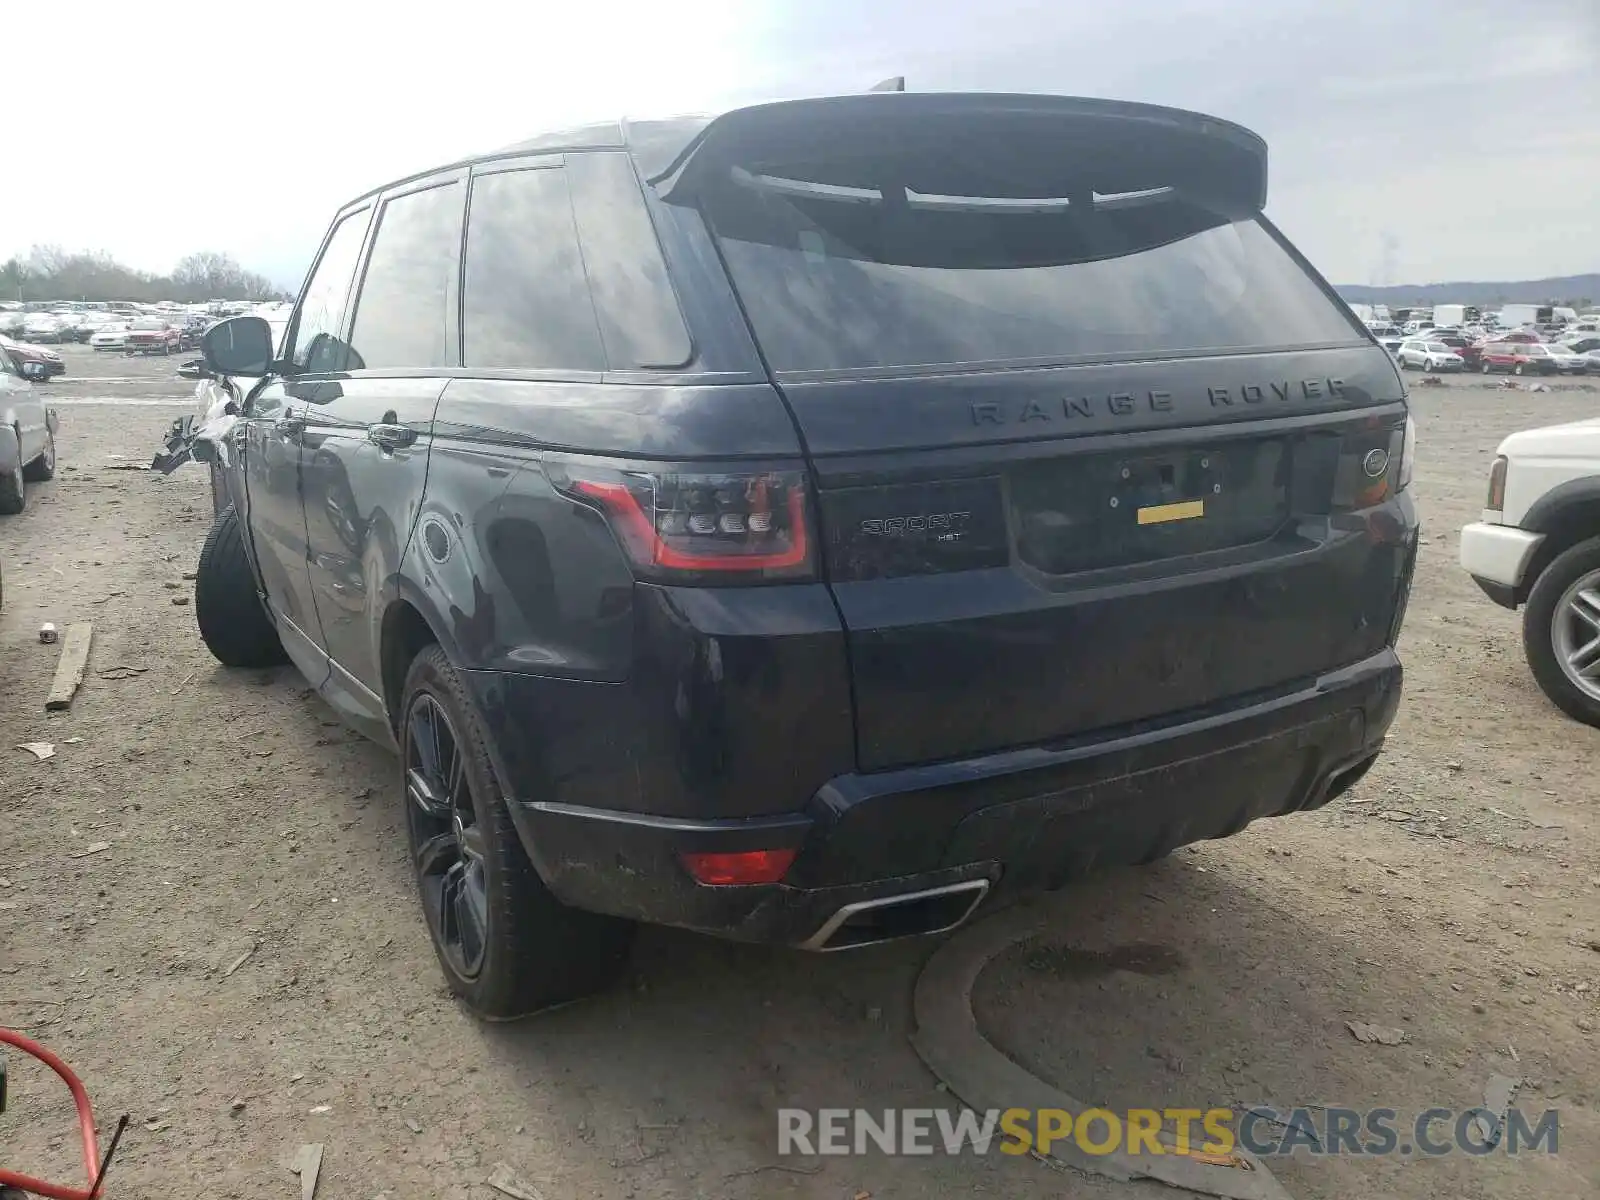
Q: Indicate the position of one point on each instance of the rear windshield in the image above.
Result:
(840, 278)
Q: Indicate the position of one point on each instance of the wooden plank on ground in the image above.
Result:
(70, 666)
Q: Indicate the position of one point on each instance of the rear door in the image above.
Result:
(364, 447)
(1087, 434)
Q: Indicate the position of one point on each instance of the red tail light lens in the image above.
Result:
(743, 867)
(720, 527)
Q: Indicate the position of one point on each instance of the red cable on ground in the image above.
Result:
(80, 1098)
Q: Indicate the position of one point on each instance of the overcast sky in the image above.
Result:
(1410, 142)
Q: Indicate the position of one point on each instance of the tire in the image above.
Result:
(13, 491)
(233, 624)
(1547, 605)
(526, 950)
(43, 467)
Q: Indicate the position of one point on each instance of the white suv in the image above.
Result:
(1429, 355)
(1538, 546)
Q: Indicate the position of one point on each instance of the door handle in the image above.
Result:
(289, 427)
(391, 437)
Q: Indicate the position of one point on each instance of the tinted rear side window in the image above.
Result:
(844, 278)
(640, 321)
(525, 302)
(403, 314)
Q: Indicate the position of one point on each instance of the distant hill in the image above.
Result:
(1526, 291)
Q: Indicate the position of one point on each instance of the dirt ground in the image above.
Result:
(245, 969)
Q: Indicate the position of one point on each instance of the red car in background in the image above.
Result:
(151, 336)
(1519, 358)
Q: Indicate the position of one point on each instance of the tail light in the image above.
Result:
(1375, 464)
(1408, 454)
(1496, 501)
(696, 526)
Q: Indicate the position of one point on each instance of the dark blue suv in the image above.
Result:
(800, 525)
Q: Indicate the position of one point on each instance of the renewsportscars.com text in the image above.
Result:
(1203, 1133)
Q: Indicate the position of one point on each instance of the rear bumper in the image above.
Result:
(1018, 820)
(1497, 557)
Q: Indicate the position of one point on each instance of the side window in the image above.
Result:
(404, 311)
(316, 343)
(640, 322)
(525, 303)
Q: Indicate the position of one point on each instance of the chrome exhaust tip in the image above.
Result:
(912, 914)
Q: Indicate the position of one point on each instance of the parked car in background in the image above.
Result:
(113, 335)
(33, 362)
(151, 335)
(1591, 359)
(1537, 547)
(190, 331)
(1472, 351)
(1522, 336)
(11, 322)
(1567, 360)
(27, 437)
(1418, 354)
(1582, 343)
(1517, 358)
(1392, 345)
(836, 612)
(40, 328)
(90, 322)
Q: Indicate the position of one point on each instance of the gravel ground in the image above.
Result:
(244, 968)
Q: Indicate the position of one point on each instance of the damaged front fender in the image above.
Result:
(204, 441)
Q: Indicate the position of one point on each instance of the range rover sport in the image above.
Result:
(801, 524)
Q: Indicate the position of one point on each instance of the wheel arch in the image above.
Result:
(403, 633)
(1567, 514)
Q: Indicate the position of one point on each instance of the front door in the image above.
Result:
(270, 435)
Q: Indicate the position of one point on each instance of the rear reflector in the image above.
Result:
(744, 867)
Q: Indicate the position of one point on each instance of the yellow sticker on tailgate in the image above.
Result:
(1184, 510)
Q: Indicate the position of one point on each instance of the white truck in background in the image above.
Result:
(1456, 315)
(1515, 316)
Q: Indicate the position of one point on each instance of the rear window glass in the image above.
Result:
(841, 278)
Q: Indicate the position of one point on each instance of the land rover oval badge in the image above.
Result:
(1375, 463)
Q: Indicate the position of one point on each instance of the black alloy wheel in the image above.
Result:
(447, 835)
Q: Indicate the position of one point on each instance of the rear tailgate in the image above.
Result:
(1092, 445)
(1001, 593)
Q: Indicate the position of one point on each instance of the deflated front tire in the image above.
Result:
(232, 621)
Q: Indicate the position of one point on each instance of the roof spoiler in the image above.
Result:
(979, 144)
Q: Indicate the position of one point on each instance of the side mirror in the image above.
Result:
(239, 346)
(33, 370)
